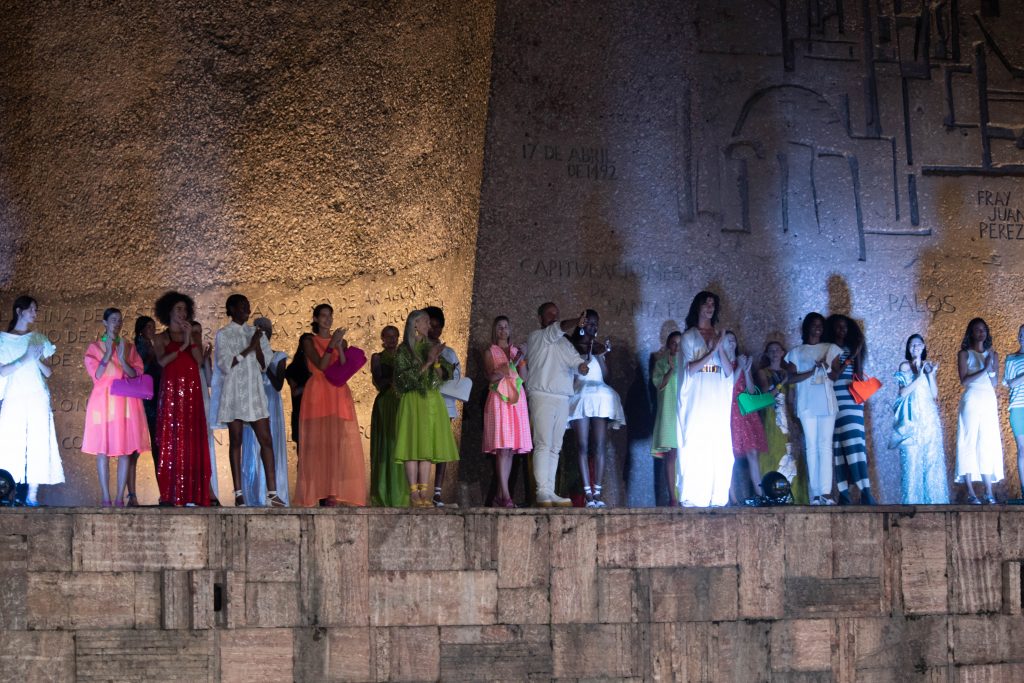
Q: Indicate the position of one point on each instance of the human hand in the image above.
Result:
(108, 349)
(434, 352)
(254, 341)
(583, 368)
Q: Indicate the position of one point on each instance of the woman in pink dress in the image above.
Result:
(184, 474)
(748, 437)
(115, 426)
(506, 416)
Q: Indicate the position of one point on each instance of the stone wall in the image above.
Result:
(807, 595)
(839, 156)
(298, 153)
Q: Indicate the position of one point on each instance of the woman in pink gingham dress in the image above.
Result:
(506, 417)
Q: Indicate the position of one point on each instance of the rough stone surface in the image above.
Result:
(785, 599)
(793, 157)
(300, 154)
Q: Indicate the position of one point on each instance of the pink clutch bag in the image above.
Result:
(338, 374)
(140, 386)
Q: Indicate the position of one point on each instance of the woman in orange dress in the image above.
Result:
(115, 426)
(331, 466)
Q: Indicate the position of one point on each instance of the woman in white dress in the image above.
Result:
(254, 484)
(813, 367)
(593, 408)
(705, 460)
(241, 352)
(979, 444)
(28, 440)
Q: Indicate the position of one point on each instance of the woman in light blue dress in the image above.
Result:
(254, 485)
(917, 430)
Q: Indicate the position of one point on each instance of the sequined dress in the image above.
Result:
(184, 475)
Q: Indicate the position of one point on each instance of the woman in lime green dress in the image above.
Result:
(388, 486)
(424, 433)
(665, 441)
(771, 377)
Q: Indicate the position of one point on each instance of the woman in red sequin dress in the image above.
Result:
(184, 474)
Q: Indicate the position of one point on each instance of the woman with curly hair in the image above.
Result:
(184, 472)
(423, 432)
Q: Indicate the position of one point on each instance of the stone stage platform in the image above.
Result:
(797, 594)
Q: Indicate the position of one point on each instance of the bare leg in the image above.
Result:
(424, 468)
(438, 480)
(133, 465)
(671, 456)
(235, 428)
(123, 464)
(754, 462)
(987, 481)
(103, 473)
(506, 472)
(411, 473)
(581, 428)
(599, 428)
(262, 430)
(970, 488)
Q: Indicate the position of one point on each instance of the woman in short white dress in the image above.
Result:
(594, 408)
(979, 445)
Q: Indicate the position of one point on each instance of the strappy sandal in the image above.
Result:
(133, 502)
(589, 493)
(436, 500)
(274, 501)
(239, 500)
(598, 503)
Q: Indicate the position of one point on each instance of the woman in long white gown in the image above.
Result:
(28, 440)
(704, 470)
(979, 444)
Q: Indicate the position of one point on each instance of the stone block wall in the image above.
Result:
(752, 595)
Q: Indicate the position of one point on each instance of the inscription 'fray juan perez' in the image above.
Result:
(1000, 220)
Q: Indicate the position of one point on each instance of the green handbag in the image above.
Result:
(750, 403)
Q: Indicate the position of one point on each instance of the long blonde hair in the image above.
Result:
(410, 329)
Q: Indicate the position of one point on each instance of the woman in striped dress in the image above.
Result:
(1013, 379)
(849, 448)
(506, 415)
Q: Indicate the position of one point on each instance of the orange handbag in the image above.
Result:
(862, 388)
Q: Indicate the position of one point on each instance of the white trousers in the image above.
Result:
(549, 414)
(818, 452)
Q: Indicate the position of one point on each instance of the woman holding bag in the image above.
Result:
(810, 367)
(331, 466)
(506, 416)
(115, 423)
(849, 448)
(748, 439)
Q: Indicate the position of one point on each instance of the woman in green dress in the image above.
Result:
(772, 378)
(664, 441)
(388, 486)
(423, 433)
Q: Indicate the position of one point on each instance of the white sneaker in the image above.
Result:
(817, 501)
